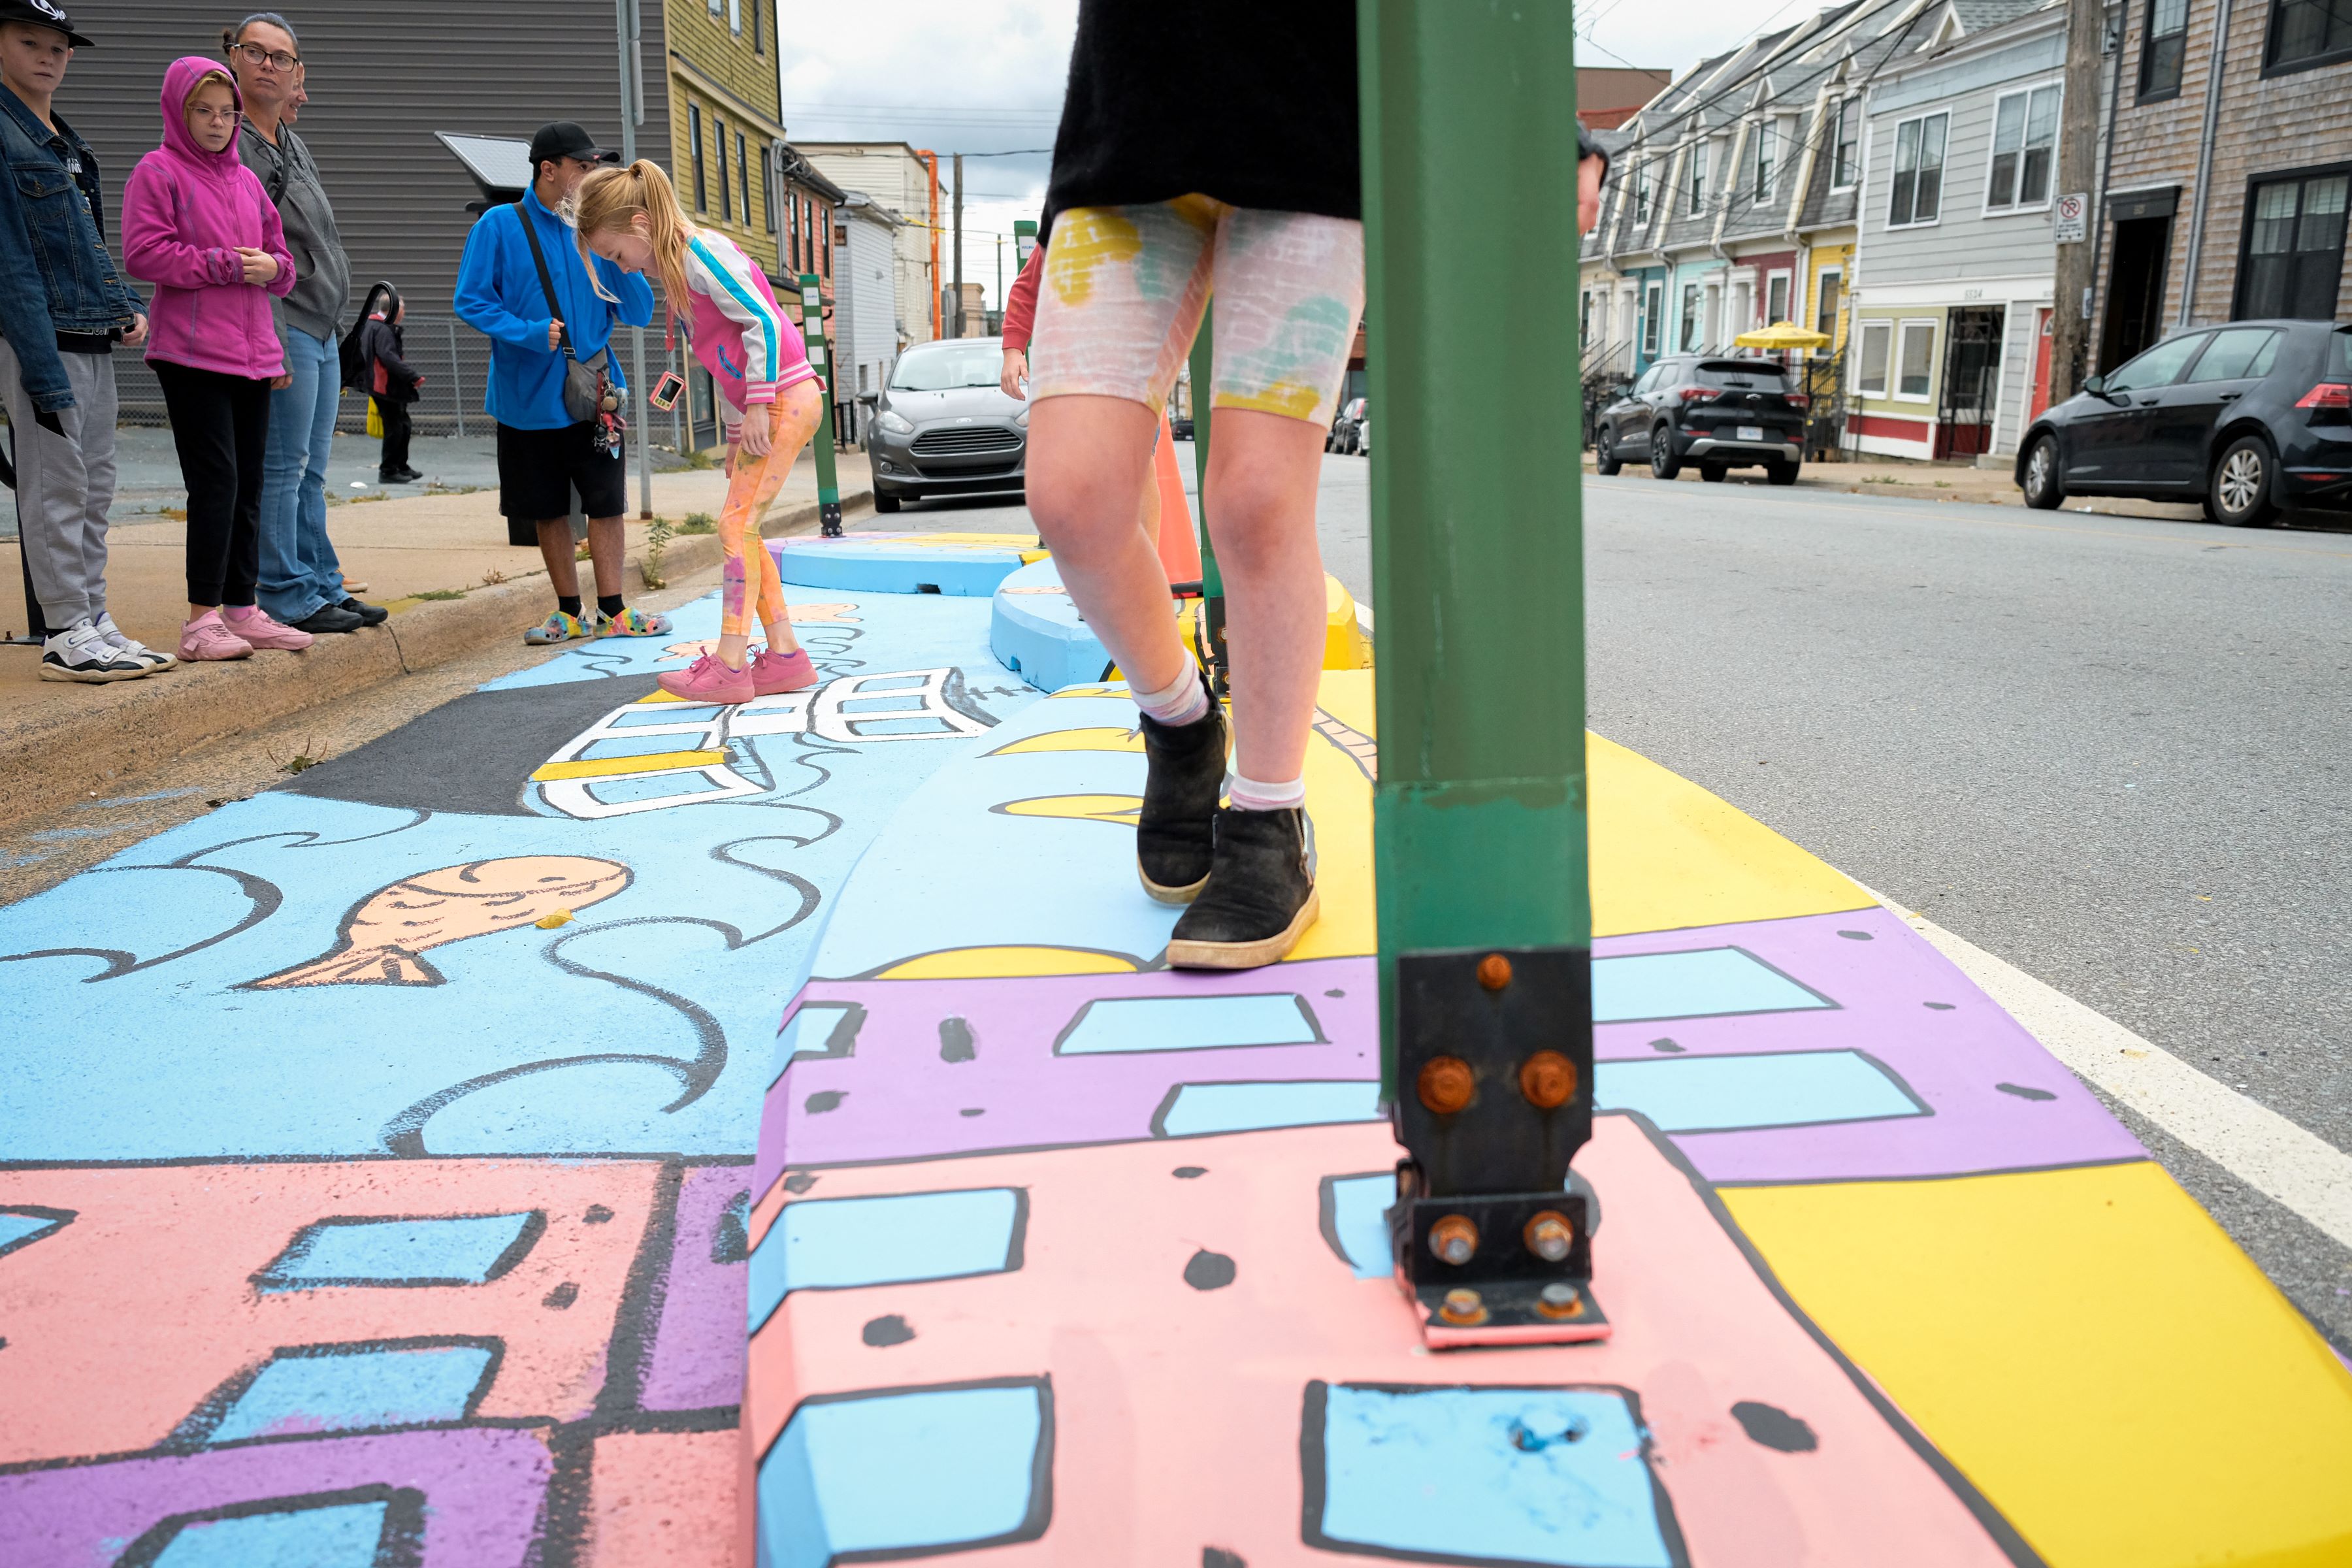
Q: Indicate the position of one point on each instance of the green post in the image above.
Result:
(1024, 240)
(1212, 581)
(828, 483)
(1470, 155)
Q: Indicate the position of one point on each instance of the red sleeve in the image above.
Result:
(1021, 304)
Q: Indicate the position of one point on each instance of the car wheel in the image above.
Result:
(2043, 488)
(2240, 493)
(885, 503)
(1605, 460)
(1782, 473)
(1713, 473)
(1663, 463)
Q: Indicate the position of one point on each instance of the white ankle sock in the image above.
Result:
(1256, 794)
(1179, 703)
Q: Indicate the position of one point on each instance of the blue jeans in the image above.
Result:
(300, 573)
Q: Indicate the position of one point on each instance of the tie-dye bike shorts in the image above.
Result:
(1125, 287)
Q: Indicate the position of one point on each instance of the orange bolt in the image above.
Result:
(1446, 1084)
(1548, 1079)
(1549, 1237)
(1463, 1307)
(1494, 971)
(1453, 1239)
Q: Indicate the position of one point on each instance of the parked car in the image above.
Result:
(2245, 418)
(1364, 434)
(1342, 438)
(944, 426)
(1719, 413)
(1179, 426)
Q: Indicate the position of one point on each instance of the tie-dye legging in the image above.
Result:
(749, 581)
(1125, 287)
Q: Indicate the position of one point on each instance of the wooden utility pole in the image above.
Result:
(959, 245)
(2072, 213)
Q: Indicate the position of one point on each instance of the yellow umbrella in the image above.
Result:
(1782, 335)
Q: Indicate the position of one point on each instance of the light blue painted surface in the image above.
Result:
(393, 1251)
(1188, 1023)
(349, 1392)
(1504, 1475)
(338, 1535)
(807, 1030)
(16, 1228)
(820, 1244)
(885, 566)
(1779, 1089)
(898, 1472)
(1040, 635)
(1360, 1216)
(1248, 1107)
(1705, 984)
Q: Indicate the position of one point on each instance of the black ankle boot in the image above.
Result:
(1261, 894)
(1174, 836)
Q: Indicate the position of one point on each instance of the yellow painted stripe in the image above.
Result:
(612, 767)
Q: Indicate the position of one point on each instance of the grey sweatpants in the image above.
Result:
(64, 487)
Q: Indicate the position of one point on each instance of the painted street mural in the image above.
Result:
(402, 1176)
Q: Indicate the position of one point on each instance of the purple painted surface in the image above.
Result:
(482, 1488)
(899, 1100)
(696, 1359)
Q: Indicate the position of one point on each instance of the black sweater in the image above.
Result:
(393, 379)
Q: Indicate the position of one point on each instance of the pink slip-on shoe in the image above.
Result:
(778, 672)
(208, 636)
(256, 628)
(708, 680)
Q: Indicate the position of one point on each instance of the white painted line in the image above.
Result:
(1364, 616)
(2264, 1150)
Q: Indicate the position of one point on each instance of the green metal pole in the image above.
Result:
(828, 484)
(1477, 542)
(1212, 581)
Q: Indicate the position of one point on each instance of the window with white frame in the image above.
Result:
(1870, 366)
(1698, 178)
(1762, 185)
(1776, 298)
(2024, 141)
(1689, 339)
(1653, 307)
(1641, 191)
(1584, 318)
(1917, 192)
(1845, 158)
(1914, 363)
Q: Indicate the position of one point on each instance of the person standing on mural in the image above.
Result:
(63, 306)
(301, 581)
(543, 306)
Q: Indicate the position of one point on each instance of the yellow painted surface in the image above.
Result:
(1344, 645)
(1007, 963)
(614, 767)
(1340, 799)
(2094, 1353)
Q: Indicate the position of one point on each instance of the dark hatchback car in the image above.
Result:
(944, 426)
(2245, 418)
(1721, 414)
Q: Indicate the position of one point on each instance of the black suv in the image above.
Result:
(2245, 418)
(1721, 414)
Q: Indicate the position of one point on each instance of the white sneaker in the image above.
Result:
(131, 648)
(82, 652)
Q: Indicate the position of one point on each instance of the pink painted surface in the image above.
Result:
(657, 1498)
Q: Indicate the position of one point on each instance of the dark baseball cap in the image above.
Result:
(562, 138)
(49, 13)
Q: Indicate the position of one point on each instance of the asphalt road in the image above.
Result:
(2114, 752)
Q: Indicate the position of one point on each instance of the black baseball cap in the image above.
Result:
(49, 13)
(562, 138)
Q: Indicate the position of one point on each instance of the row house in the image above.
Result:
(905, 181)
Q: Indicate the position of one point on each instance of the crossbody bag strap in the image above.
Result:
(546, 282)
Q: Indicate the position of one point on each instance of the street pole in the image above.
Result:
(959, 245)
(828, 484)
(931, 280)
(633, 114)
(1213, 580)
(2078, 151)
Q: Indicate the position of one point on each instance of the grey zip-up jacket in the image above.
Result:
(322, 272)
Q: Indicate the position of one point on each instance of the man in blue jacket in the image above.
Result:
(543, 453)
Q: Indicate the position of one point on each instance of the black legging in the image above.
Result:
(395, 434)
(220, 424)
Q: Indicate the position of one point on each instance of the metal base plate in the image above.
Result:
(1511, 1317)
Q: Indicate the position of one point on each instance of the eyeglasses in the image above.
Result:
(276, 59)
(225, 116)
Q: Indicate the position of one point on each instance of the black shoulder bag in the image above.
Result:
(587, 384)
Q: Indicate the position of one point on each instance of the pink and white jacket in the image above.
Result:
(742, 337)
(184, 211)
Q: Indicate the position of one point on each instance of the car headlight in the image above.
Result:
(896, 425)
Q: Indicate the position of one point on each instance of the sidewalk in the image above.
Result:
(1930, 481)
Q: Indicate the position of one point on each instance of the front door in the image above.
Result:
(2136, 290)
(2039, 403)
(1971, 391)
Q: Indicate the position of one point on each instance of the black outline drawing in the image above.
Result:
(1175, 1092)
(58, 1219)
(1016, 1242)
(271, 1278)
(196, 1430)
(1828, 1003)
(399, 1544)
(1327, 1210)
(1921, 1106)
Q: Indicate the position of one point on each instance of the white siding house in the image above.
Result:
(866, 309)
(891, 174)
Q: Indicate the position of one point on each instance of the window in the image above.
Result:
(1870, 377)
(2242, 353)
(2309, 33)
(825, 220)
(1642, 192)
(2160, 366)
(768, 189)
(2160, 46)
(1764, 153)
(694, 129)
(1698, 178)
(1776, 298)
(726, 200)
(1689, 339)
(758, 6)
(793, 229)
(1825, 316)
(1918, 195)
(1916, 363)
(743, 168)
(735, 15)
(1846, 166)
(1652, 307)
(2024, 134)
(1584, 317)
(2294, 248)
(718, 7)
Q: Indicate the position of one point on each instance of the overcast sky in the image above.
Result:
(958, 77)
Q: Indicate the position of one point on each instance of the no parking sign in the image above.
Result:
(2067, 219)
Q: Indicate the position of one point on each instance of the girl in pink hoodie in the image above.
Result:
(197, 224)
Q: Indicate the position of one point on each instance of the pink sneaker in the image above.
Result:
(775, 672)
(256, 627)
(208, 636)
(708, 680)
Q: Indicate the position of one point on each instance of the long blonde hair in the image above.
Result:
(615, 199)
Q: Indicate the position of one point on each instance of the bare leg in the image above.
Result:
(606, 547)
(1262, 470)
(1089, 459)
(555, 548)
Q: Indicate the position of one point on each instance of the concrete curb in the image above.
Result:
(69, 752)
